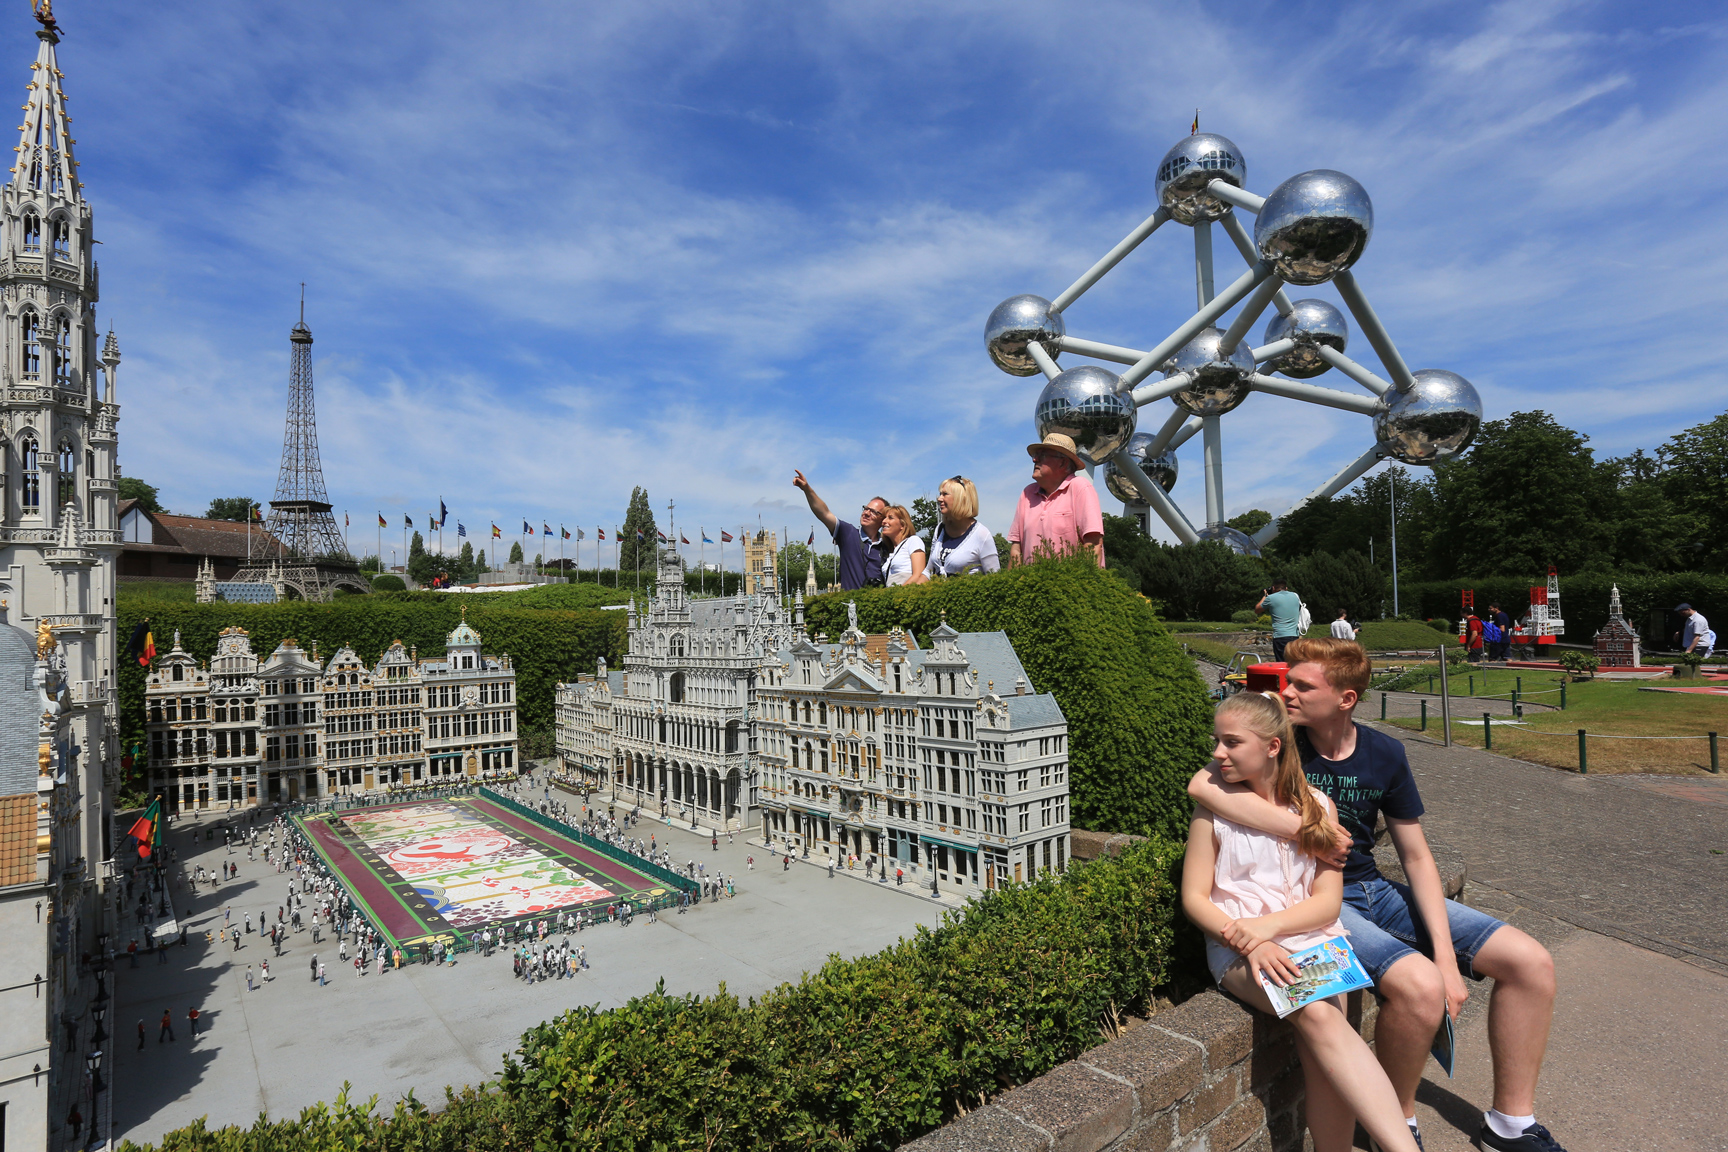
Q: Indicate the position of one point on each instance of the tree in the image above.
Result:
(1696, 482)
(639, 517)
(370, 564)
(230, 508)
(1204, 581)
(924, 517)
(132, 488)
(465, 570)
(1327, 583)
(793, 563)
(516, 552)
(1250, 521)
(423, 567)
(1527, 494)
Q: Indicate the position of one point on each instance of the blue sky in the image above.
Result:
(555, 250)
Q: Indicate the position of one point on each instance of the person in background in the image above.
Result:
(1695, 635)
(905, 557)
(1473, 638)
(1285, 608)
(861, 547)
(1058, 512)
(1341, 627)
(960, 543)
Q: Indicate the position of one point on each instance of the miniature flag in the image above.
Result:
(344, 519)
(407, 521)
(461, 529)
(546, 529)
(580, 535)
(599, 533)
(258, 515)
(705, 539)
(685, 539)
(812, 539)
(526, 531)
(1196, 128)
(639, 535)
(443, 512)
(144, 828)
(564, 533)
(382, 523)
(142, 646)
(725, 537)
(496, 535)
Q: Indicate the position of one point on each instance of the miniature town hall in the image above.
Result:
(871, 751)
(240, 732)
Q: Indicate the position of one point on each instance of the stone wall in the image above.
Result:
(1205, 1076)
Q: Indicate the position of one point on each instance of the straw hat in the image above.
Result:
(1057, 442)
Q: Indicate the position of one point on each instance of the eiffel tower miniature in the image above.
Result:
(307, 556)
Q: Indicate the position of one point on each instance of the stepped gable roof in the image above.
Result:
(199, 536)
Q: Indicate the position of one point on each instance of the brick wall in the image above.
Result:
(1205, 1076)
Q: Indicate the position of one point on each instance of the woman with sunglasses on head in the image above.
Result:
(960, 543)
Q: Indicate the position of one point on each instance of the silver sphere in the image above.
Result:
(1431, 422)
(1015, 323)
(1192, 164)
(1160, 469)
(1084, 403)
(1220, 383)
(1234, 539)
(1314, 226)
(1311, 323)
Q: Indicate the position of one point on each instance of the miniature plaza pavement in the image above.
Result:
(293, 1043)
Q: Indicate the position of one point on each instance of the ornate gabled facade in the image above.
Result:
(245, 732)
(680, 712)
(58, 541)
(937, 761)
(1617, 643)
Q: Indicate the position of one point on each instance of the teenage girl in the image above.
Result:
(1259, 897)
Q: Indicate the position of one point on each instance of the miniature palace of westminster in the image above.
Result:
(940, 761)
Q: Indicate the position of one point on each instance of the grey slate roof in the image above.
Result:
(234, 592)
(615, 680)
(19, 712)
(1039, 711)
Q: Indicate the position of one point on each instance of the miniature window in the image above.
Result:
(32, 352)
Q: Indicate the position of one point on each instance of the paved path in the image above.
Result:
(293, 1043)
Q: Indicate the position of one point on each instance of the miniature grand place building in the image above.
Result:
(940, 762)
(241, 731)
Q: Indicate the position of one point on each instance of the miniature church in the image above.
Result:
(1617, 642)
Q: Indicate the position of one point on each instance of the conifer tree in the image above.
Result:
(633, 553)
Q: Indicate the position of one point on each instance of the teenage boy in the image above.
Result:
(1365, 772)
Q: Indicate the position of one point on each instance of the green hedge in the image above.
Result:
(1139, 719)
(863, 1054)
(545, 646)
(1583, 597)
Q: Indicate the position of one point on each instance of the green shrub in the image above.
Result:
(863, 1054)
(1244, 616)
(1582, 665)
(1138, 716)
(389, 582)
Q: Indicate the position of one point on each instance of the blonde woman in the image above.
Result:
(905, 563)
(960, 544)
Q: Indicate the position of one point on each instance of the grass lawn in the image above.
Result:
(1600, 707)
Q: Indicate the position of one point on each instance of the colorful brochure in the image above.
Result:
(1328, 968)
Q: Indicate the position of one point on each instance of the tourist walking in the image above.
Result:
(167, 1026)
(192, 1023)
(140, 1033)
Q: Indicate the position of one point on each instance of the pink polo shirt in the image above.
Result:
(1057, 522)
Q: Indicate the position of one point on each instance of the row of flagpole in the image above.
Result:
(437, 522)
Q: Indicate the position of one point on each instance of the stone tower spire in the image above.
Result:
(45, 162)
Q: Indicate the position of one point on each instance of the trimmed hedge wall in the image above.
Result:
(545, 646)
(1583, 597)
(1139, 719)
(864, 1054)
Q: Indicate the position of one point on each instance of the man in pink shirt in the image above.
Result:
(1058, 511)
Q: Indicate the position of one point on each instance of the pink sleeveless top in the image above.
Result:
(1256, 874)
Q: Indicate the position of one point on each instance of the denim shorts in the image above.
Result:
(1384, 927)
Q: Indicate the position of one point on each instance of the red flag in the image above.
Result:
(142, 830)
(725, 537)
(684, 538)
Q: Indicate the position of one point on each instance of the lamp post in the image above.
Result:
(94, 1062)
(99, 1012)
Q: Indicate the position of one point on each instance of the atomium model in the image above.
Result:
(1312, 229)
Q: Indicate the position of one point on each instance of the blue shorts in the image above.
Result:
(1384, 927)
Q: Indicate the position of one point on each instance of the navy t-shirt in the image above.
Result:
(860, 559)
(1375, 778)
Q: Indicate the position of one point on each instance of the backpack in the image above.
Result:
(1304, 620)
(1491, 632)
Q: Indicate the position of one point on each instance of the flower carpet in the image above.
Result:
(453, 866)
